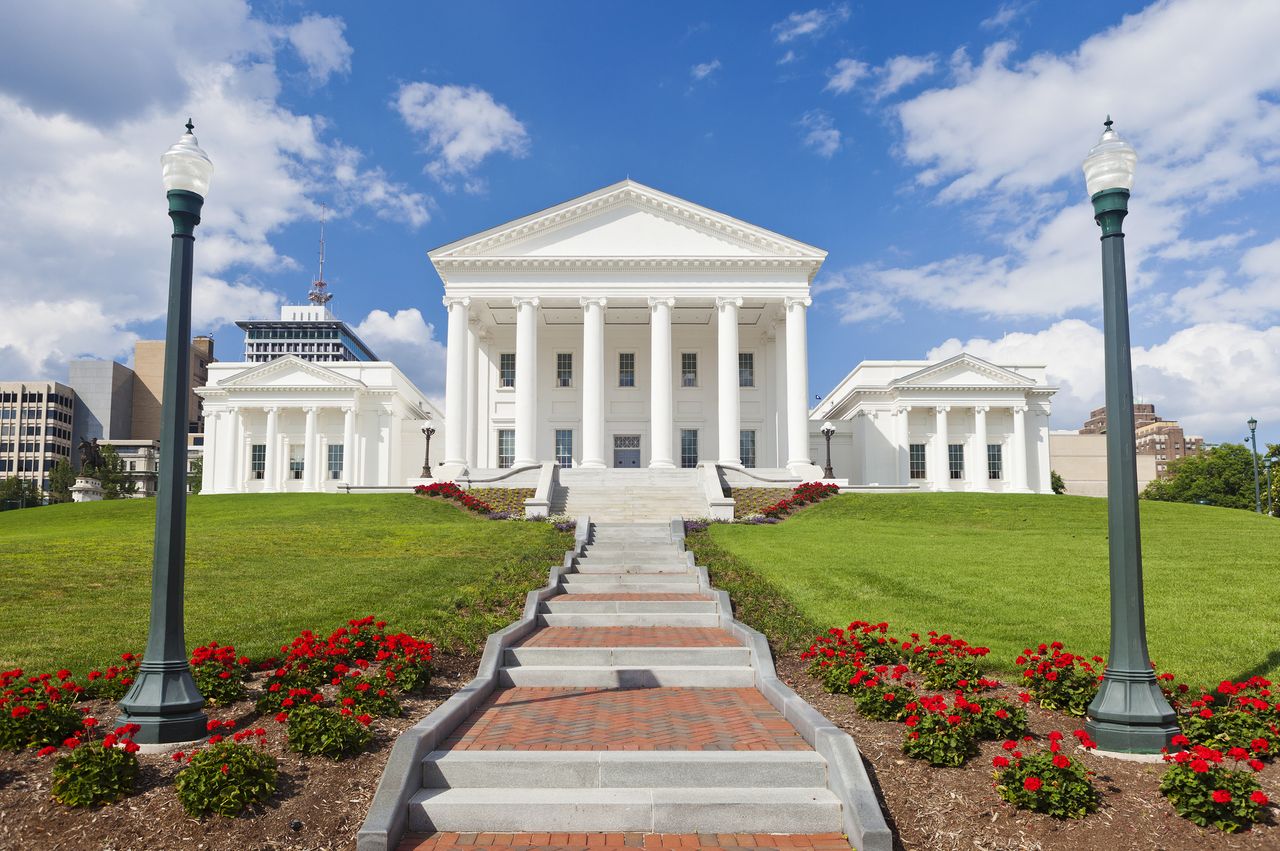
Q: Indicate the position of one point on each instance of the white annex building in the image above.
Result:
(628, 329)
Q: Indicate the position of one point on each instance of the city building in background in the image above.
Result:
(1163, 440)
(141, 462)
(105, 394)
(1081, 460)
(36, 421)
(148, 370)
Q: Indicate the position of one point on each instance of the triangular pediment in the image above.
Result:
(627, 219)
(288, 371)
(963, 370)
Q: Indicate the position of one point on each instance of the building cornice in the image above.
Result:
(543, 265)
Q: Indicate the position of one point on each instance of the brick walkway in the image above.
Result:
(585, 841)
(638, 597)
(629, 636)
(677, 719)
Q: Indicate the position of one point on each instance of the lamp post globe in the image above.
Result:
(828, 430)
(164, 701)
(1129, 713)
(1253, 436)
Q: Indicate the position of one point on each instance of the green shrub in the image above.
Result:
(882, 694)
(996, 719)
(319, 731)
(114, 683)
(1059, 680)
(1048, 782)
(226, 778)
(96, 773)
(1208, 793)
(219, 674)
(35, 723)
(938, 739)
(369, 695)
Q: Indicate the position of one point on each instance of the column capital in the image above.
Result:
(599, 301)
(348, 409)
(942, 409)
(981, 409)
(1018, 409)
(902, 409)
(309, 409)
(796, 301)
(271, 409)
(724, 301)
(667, 300)
(452, 300)
(522, 300)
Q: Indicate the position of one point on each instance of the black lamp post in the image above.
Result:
(827, 431)
(1129, 714)
(427, 431)
(1253, 434)
(164, 700)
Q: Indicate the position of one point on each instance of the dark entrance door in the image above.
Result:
(626, 450)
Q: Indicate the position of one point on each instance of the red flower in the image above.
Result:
(1260, 798)
(1221, 796)
(912, 720)
(282, 717)
(1000, 762)
(48, 749)
(225, 768)
(1199, 766)
(1032, 784)
(1061, 761)
(130, 746)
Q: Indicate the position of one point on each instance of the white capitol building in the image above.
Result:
(660, 336)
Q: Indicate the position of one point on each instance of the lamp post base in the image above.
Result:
(165, 703)
(1130, 714)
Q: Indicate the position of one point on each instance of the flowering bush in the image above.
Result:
(992, 718)
(320, 731)
(38, 712)
(1244, 718)
(114, 682)
(881, 693)
(1047, 782)
(1202, 789)
(406, 662)
(937, 736)
(448, 490)
(227, 776)
(368, 695)
(946, 662)
(95, 772)
(803, 495)
(1060, 680)
(219, 673)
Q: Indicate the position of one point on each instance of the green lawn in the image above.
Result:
(1007, 571)
(259, 569)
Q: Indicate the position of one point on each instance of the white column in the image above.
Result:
(978, 475)
(729, 413)
(942, 476)
(526, 379)
(237, 451)
(348, 445)
(1020, 448)
(780, 391)
(1044, 482)
(384, 447)
(212, 453)
(593, 382)
(797, 383)
(455, 387)
(473, 390)
(309, 451)
(902, 442)
(661, 425)
(395, 462)
(271, 483)
(870, 436)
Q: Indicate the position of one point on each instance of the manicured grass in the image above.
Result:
(1008, 571)
(260, 568)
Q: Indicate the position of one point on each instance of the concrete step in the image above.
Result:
(615, 676)
(582, 565)
(561, 607)
(642, 810)
(637, 619)
(576, 583)
(627, 656)
(601, 548)
(470, 769)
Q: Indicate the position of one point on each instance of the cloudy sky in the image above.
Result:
(932, 149)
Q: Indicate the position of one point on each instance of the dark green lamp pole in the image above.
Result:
(1129, 714)
(1253, 434)
(164, 700)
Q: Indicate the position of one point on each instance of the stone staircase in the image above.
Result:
(637, 496)
(630, 709)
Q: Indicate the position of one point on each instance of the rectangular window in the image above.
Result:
(507, 369)
(747, 447)
(746, 369)
(688, 369)
(564, 447)
(295, 462)
(506, 447)
(564, 369)
(626, 369)
(995, 461)
(688, 447)
(335, 460)
(258, 460)
(917, 463)
(955, 460)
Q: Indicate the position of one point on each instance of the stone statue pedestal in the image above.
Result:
(86, 490)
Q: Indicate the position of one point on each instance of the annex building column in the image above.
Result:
(309, 461)
(661, 424)
(942, 452)
(1020, 448)
(797, 382)
(473, 390)
(348, 444)
(273, 431)
(526, 379)
(238, 462)
(978, 474)
(212, 434)
(455, 387)
(593, 381)
(729, 414)
(902, 442)
(779, 330)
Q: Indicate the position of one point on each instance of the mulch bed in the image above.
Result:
(320, 804)
(953, 808)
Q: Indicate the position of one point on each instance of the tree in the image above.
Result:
(17, 493)
(116, 483)
(1222, 476)
(60, 481)
(1056, 482)
(195, 477)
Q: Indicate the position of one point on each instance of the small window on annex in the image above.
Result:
(747, 447)
(258, 460)
(955, 460)
(995, 461)
(295, 461)
(688, 447)
(626, 369)
(917, 463)
(564, 447)
(564, 369)
(746, 369)
(506, 447)
(335, 460)
(688, 369)
(507, 369)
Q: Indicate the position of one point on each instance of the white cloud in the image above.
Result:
(820, 133)
(215, 302)
(463, 126)
(1211, 377)
(1006, 14)
(845, 75)
(408, 341)
(813, 23)
(704, 70)
(319, 42)
(787, 58)
(1251, 295)
(902, 71)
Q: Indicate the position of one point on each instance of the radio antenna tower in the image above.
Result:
(319, 294)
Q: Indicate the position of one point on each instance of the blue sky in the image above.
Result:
(932, 148)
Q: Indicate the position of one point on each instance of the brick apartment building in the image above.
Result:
(1163, 439)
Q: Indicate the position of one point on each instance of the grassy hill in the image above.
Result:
(1009, 570)
(261, 567)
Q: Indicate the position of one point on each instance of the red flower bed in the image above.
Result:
(448, 490)
(805, 494)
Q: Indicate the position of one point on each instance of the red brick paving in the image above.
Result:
(586, 841)
(629, 636)
(643, 719)
(650, 597)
